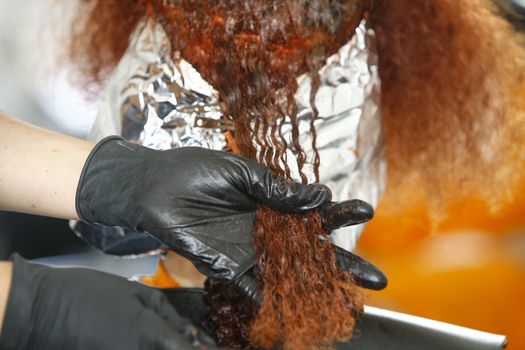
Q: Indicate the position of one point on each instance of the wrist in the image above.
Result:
(106, 192)
(82, 200)
(6, 274)
(40, 169)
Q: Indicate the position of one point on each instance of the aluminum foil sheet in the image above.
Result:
(158, 99)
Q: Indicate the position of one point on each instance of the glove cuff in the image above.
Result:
(82, 204)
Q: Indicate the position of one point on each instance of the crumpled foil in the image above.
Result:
(158, 99)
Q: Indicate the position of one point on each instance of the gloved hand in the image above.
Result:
(199, 202)
(335, 215)
(80, 309)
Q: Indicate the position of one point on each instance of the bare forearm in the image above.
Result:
(6, 272)
(39, 169)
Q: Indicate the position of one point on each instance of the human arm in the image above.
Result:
(39, 169)
(50, 308)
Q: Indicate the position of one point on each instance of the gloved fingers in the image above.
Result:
(191, 339)
(288, 197)
(347, 213)
(157, 302)
(160, 334)
(173, 326)
(365, 274)
(247, 285)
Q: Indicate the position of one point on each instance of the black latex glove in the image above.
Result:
(199, 202)
(80, 309)
(335, 215)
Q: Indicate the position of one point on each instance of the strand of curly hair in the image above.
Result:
(307, 303)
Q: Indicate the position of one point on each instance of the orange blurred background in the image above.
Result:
(469, 270)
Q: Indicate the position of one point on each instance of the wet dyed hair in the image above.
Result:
(452, 85)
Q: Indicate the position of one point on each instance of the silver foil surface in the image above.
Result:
(158, 99)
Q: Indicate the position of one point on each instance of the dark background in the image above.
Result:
(36, 236)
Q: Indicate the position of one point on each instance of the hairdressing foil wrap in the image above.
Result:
(158, 99)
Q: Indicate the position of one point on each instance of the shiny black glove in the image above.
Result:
(80, 309)
(199, 202)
